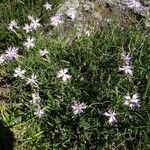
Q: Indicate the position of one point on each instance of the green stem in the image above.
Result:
(147, 87)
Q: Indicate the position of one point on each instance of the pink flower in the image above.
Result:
(132, 102)
(127, 70)
(78, 107)
(39, 112)
(126, 58)
(11, 53)
(56, 20)
(112, 116)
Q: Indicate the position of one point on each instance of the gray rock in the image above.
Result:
(145, 3)
(85, 16)
(137, 6)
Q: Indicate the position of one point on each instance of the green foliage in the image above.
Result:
(93, 63)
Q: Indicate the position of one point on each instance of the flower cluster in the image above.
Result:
(39, 112)
(10, 54)
(126, 68)
(77, 106)
(18, 72)
(131, 102)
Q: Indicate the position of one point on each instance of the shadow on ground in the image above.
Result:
(6, 138)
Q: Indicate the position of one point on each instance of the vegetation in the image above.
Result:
(94, 79)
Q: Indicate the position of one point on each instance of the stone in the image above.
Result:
(85, 16)
(137, 6)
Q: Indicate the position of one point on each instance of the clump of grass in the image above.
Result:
(76, 86)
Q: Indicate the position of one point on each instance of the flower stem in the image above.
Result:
(147, 87)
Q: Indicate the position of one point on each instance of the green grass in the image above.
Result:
(93, 64)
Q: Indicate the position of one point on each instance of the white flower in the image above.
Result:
(2, 58)
(11, 53)
(133, 4)
(47, 6)
(127, 101)
(43, 52)
(135, 98)
(35, 23)
(35, 98)
(12, 26)
(126, 58)
(39, 112)
(112, 116)
(133, 102)
(78, 107)
(30, 18)
(19, 72)
(71, 13)
(56, 20)
(29, 43)
(87, 32)
(32, 80)
(27, 28)
(62, 74)
(127, 70)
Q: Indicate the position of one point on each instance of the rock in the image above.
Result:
(137, 6)
(145, 3)
(85, 16)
